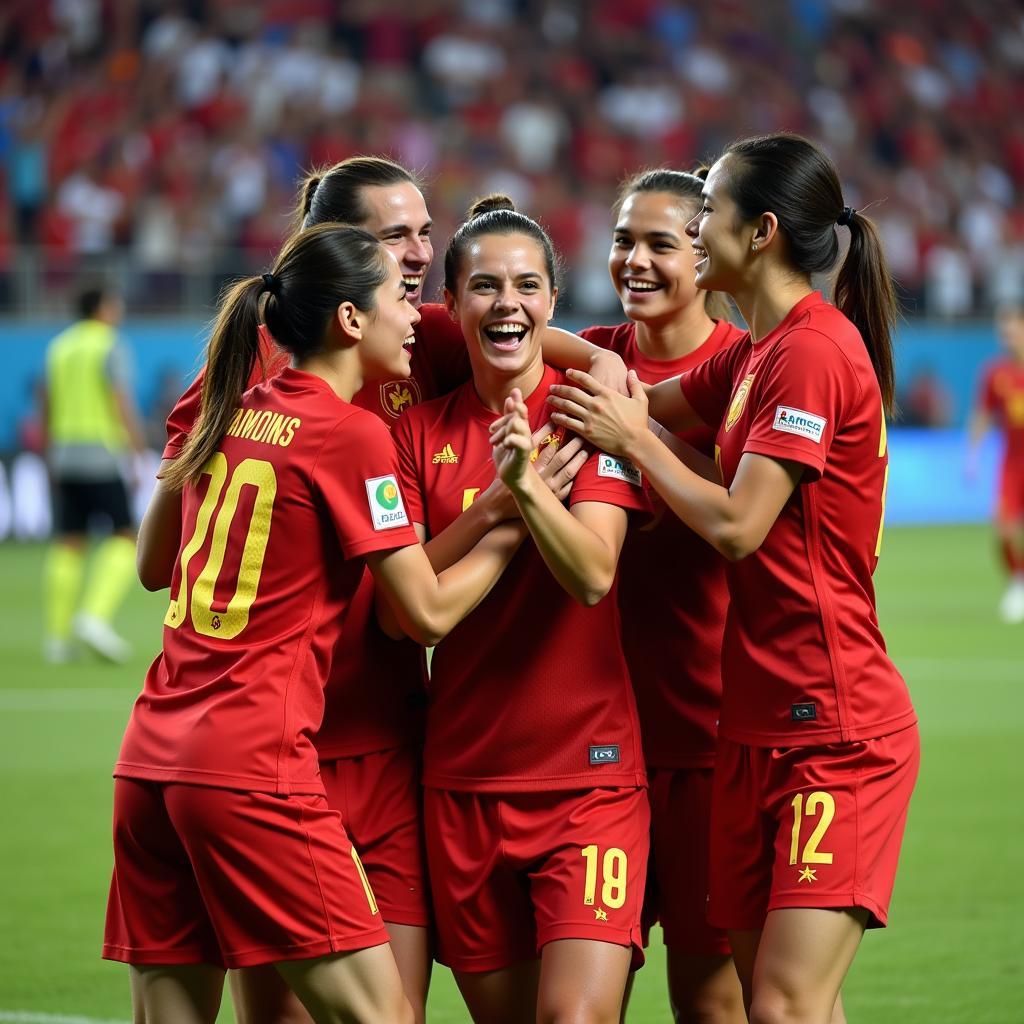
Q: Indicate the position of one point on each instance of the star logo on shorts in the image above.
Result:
(600, 915)
(807, 875)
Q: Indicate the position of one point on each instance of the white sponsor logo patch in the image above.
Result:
(387, 510)
(799, 422)
(618, 469)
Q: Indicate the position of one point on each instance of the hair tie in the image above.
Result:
(271, 284)
(846, 217)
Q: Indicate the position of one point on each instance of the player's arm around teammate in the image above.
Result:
(225, 851)
(815, 768)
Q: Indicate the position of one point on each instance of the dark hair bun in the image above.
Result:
(488, 204)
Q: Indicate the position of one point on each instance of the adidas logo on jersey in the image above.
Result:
(446, 454)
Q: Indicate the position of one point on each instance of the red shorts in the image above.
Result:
(677, 877)
(1010, 506)
(513, 872)
(381, 804)
(808, 827)
(220, 876)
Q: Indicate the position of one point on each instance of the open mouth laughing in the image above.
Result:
(506, 335)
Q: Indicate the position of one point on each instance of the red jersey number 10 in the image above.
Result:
(196, 603)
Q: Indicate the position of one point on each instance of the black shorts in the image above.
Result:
(77, 501)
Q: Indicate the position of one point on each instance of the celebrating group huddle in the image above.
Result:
(658, 692)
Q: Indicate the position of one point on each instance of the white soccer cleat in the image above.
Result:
(101, 639)
(57, 651)
(1011, 608)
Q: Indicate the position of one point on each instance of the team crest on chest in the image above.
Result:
(398, 395)
(739, 400)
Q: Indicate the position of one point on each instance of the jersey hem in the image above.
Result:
(339, 752)
(782, 452)
(202, 777)
(814, 739)
(558, 783)
(680, 764)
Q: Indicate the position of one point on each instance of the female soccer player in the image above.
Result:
(535, 813)
(370, 740)
(1001, 400)
(672, 634)
(226, 853)
(818, 747)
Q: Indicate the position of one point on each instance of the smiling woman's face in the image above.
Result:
(504, 301)
(651, 260)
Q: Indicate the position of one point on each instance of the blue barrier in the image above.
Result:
(926, 482)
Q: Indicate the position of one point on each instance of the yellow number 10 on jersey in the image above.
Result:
(198, 605)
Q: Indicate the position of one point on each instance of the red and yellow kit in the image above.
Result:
(809, 827)
(533, 761)
(803, 660)
(272, 534)
(1002, 396)
(374, 697)
(819, 745)
(530, 691)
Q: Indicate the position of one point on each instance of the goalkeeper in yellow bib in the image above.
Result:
(91, 427)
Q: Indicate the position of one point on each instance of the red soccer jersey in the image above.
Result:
(374, 693)
(803, 659)
(273, 535)
(672, 594)
(530, 692)
(1002, 395)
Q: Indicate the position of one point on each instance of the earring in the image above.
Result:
(753, 247)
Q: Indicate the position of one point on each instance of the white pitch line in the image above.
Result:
(27, 1017)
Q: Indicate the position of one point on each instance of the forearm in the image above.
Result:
(701, 464)
(571, 352)
(426, 606)
(699, 500)
(459, 538)
(580, 560)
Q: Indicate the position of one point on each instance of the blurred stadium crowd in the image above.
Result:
(164, 137)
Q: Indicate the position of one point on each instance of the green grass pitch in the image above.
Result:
(955, 948)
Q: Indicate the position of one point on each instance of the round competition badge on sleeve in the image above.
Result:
(387, 510)
(739, 400)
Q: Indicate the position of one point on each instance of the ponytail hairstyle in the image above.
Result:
(794, 179)
(336, 193)
(316, 271)
(688, 186)
(496, 214)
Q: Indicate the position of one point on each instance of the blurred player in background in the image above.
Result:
(371, 737)
(92, 427)
(535, 811)
(818, 750)
(226, 851)
(672, 630)
(1001, 403)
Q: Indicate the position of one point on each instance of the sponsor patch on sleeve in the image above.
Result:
(616, 468)
(799, 422)
(387, 510)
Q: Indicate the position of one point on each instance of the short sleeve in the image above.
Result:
(602, 337)
(409, 477)
(801, 401)
(356, 477)
(444, 347)
(611, 480)
(708, 387)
